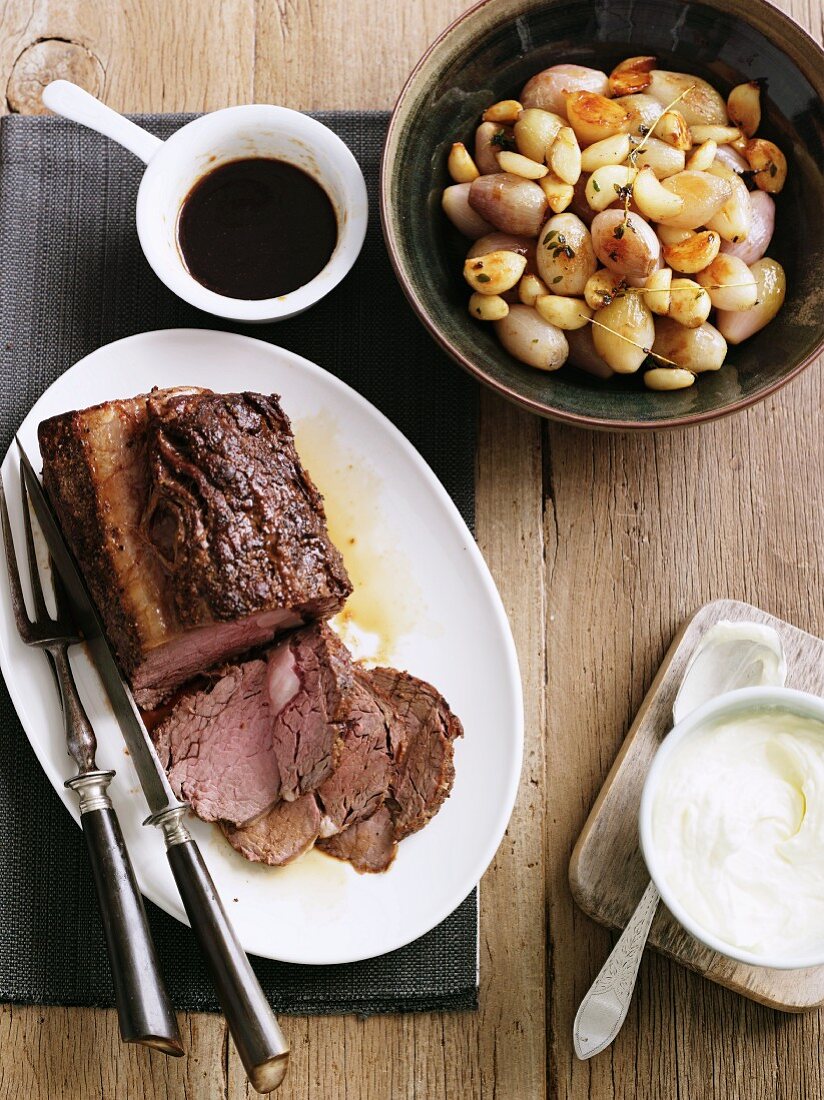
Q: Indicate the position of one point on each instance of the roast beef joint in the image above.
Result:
(204, 544)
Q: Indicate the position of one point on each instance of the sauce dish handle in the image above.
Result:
(73, 102)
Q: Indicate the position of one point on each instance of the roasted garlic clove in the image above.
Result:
(631, 75)
(624, 333)
(772, 287)
(694, 349)
(744, 106)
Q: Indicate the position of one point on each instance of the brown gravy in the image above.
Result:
(256, 228)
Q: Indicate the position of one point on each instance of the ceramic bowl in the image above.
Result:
(743, 701)
(253, 130)
(487, 55)
(175, 165)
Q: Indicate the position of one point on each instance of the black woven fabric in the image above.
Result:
(72, 277)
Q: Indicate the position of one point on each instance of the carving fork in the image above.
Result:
(144, 1010)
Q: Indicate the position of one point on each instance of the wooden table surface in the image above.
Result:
(600, 544)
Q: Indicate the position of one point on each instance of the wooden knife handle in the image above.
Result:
(252, 1024)
(144, 1010)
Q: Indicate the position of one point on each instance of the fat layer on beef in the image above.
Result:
(197, 529)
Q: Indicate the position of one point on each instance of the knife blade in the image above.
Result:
(150, 772)
(261, 1044)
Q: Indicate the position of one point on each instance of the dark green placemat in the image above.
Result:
(72, 277)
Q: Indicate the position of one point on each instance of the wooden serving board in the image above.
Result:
(607, 873)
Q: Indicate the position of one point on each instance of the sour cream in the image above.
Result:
(738, 830)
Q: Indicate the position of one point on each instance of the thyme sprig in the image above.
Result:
(635, 344)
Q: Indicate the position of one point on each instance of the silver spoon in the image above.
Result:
(730, 656)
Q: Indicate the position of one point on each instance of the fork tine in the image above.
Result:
(41, 612)
(18, 602)
(65, 615)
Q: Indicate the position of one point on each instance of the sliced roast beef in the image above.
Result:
(419, 731)
(199, 533)
(424, 730)
(309, 680)
(369, 845)
(264, 730)
(216, 746)
(299, 744)
(360, 782)
(287, 831)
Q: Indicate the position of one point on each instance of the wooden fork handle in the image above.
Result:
(144, 1010)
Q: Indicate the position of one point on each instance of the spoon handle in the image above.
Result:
(71, 101)
(604, 1008)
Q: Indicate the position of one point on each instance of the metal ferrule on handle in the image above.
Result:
(252, 1024)
(144, 1010)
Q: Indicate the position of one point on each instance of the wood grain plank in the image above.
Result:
(76, 1053)
(512, 1022)
(344, 53)
(153, 55)
(650, 528)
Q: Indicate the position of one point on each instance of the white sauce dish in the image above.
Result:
(732, 826)
(175, 165)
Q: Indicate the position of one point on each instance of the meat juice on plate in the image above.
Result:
(380, 610)
(320, 879)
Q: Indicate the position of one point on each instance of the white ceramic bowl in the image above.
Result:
(175, 165)
(257, 130)
(745, 700)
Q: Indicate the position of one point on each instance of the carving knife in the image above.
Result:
(256, 1033)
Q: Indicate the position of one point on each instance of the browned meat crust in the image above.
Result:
(235, 518)
(197, 529)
